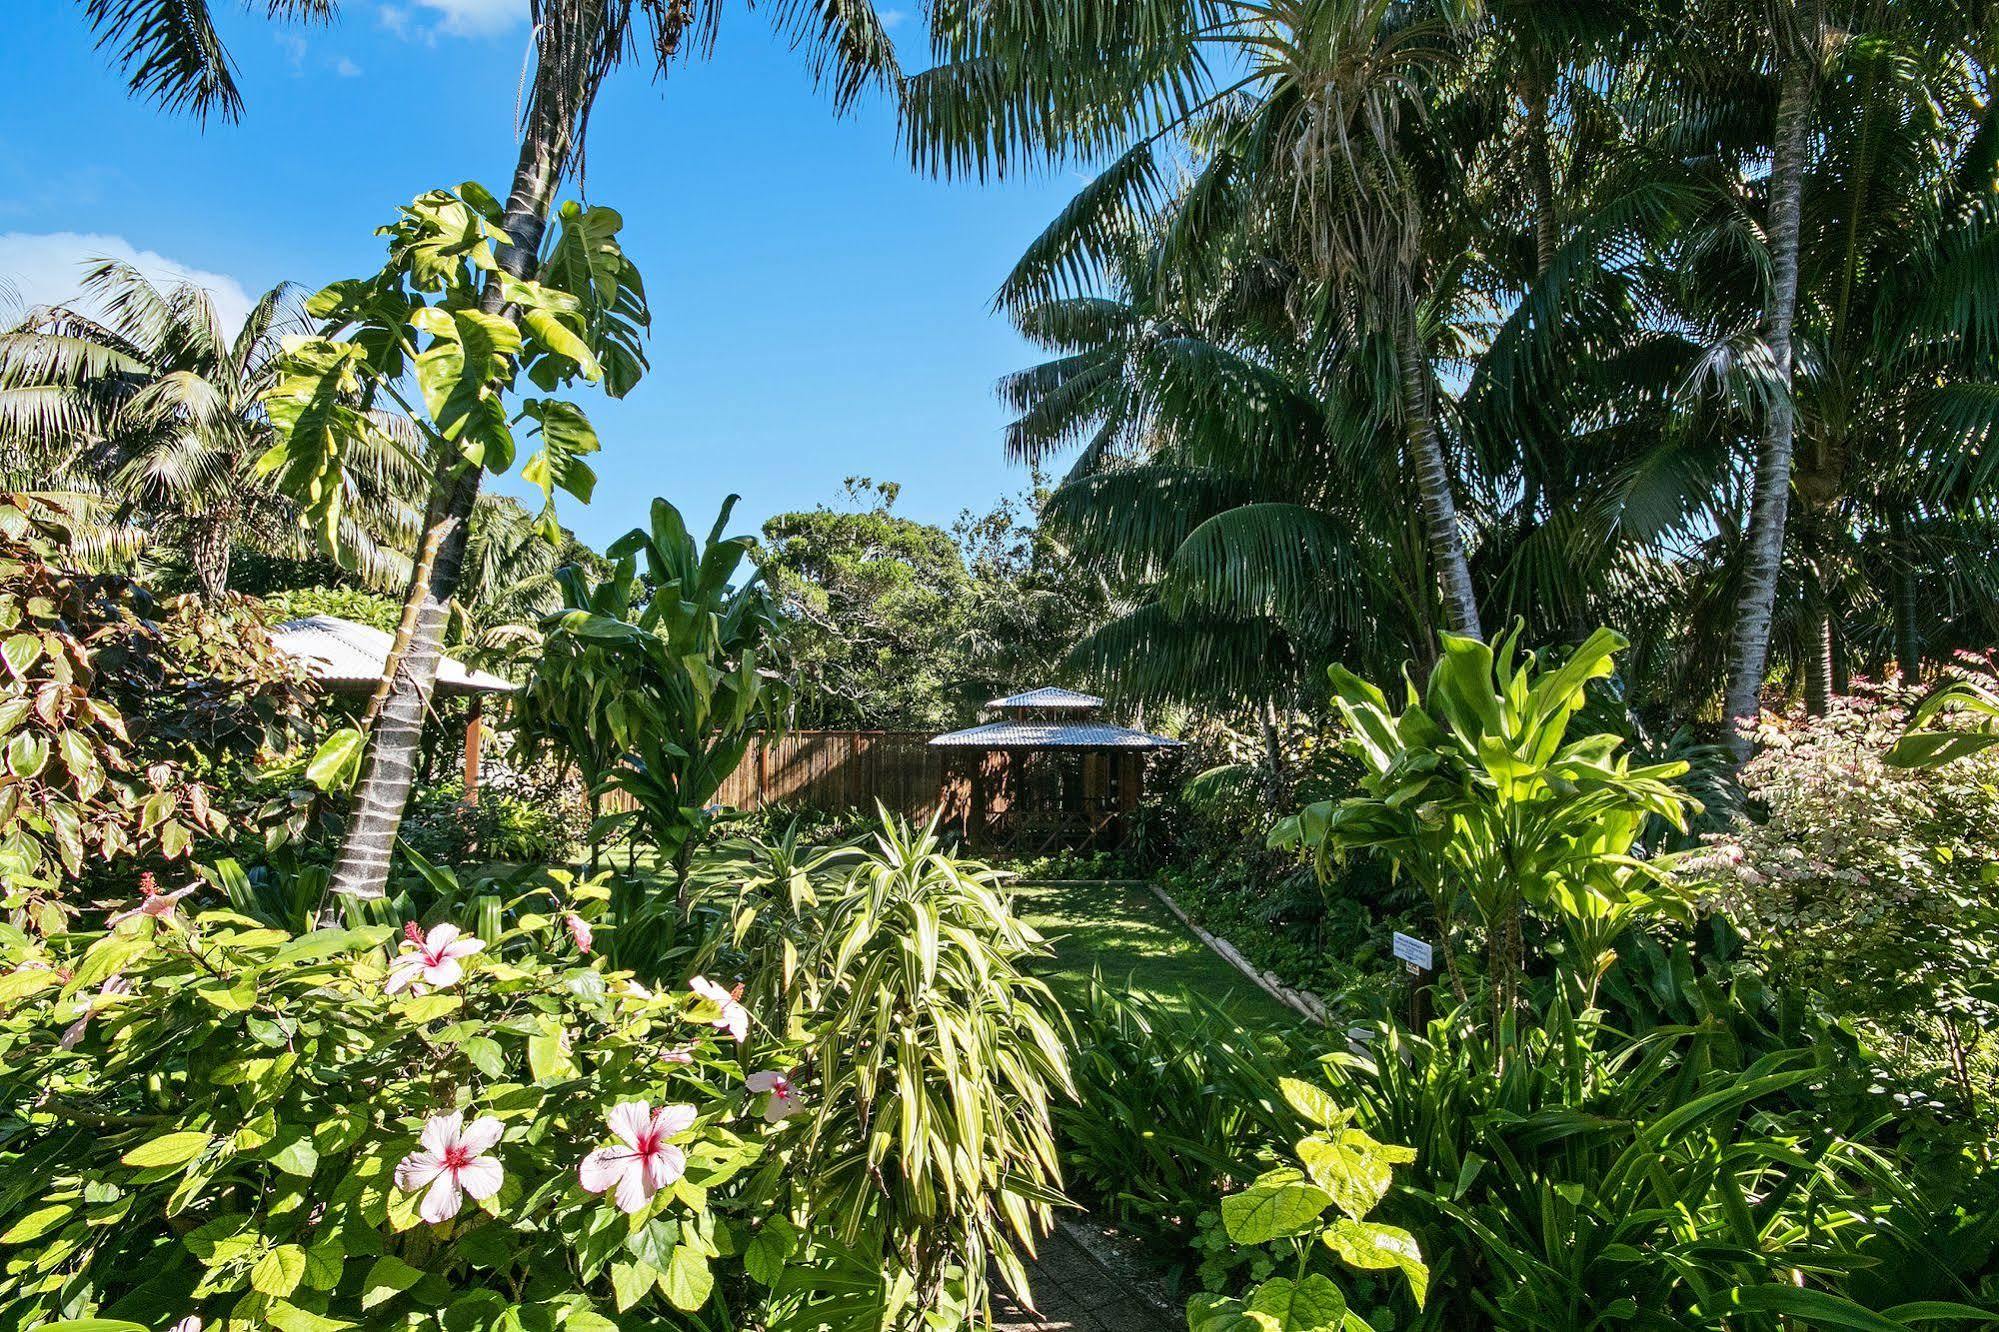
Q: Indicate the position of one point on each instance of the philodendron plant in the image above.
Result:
(1343, 1171)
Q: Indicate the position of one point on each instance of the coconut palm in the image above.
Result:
(148, 412)
(1312, 113)
(171, 53)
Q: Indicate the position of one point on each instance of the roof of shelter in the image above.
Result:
(343, 655)
(1052, 735)
(1048, 698)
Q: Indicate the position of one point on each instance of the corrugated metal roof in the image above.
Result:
(1048, 697)
(1052, 735)
(340, 653)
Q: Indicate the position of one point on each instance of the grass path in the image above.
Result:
(1128, 935)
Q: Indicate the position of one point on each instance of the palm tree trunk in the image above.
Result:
(208, 552)
(1541, 175)
(1908, 632)
(1749, 653)
(1433, 474)
(403, 698)
(1273, 752)
(1818, 658)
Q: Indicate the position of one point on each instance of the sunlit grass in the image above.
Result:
(1126, 934)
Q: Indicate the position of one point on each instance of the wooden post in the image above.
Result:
(474, 732)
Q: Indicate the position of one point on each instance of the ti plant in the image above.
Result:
(1477, 791)
(1340, 1169)
(657, 682)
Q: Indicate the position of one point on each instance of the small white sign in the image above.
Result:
(1413, 951)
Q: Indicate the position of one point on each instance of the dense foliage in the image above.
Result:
(210, 1117)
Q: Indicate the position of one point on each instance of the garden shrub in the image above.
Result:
(523, 817)
(346, 603)
(1870, 889)
(127, 727)
(207, 1117)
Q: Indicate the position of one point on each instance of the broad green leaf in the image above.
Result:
(1350, 1165)
(630, 1282)
(566, 438)
(37, 1223)
(278, 1272)
(1314, 1304)
(168, 1149)
(337, 761)
(1277, 1204)
(687, 1281)
(1374, 1247)
(290, 1318)
(389, 1277)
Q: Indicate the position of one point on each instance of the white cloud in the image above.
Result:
(346, 68)
(894, 18)
(47, 268)
(454, 18)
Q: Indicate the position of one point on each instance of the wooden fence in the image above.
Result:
(837, 769)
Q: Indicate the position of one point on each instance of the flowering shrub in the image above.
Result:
(1870, 887)
(203, 1117)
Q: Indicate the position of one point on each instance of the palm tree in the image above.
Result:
(1320, 130)
(576, 45)
(171, 53)
(150, 416)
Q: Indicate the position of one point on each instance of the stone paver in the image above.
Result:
(1073, 1294)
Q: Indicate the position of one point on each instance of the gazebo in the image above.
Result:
(343, 657)
(1046, 772)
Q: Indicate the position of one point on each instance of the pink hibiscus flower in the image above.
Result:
(735, 1019)
(647, 1162)
(677, 1054)
(191, 1323)
(429, 960)
(152, 902)
(451, 1163)
(579, 931)
(784, 1098)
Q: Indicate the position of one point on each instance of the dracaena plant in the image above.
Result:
(1343, 1171)
(1476, 790)
(346, 1128)
(929, 1162)
(654, 679)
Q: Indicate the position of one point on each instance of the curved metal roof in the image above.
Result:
(1051, 735)
(1048, 697)
(341, 654)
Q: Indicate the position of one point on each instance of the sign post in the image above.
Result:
(1417, 957)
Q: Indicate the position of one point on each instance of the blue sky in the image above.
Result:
(820, 310)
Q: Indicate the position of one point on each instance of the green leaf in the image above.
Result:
(630, 1282)
(37, 1223)
(1277, 1204)
(462, 374)
(1314, 1104)
(297, 1157)
(169, 1149)
(279, 1271)
(290, 1318)
(21, 651)
(1355, 1169)
(389, 1277)
(1374, 1247)
(566, 437)
(1314, 1304)
(337, 761)
(485, 1054)
(687, 1282)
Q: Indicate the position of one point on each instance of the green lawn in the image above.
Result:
(1129, 936)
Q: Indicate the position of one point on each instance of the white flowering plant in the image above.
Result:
(204, 1118)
